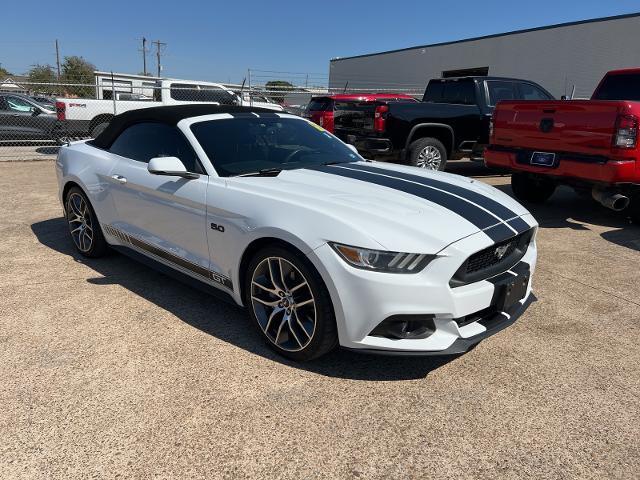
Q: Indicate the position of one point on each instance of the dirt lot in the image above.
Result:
(108, 369)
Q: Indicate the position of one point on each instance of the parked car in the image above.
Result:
(591, 145)
(452, 121)
(321, 109)
(256, 100)
(296, 109)
(47, 102)
(79, 117)
(22, 118)
(321, 247)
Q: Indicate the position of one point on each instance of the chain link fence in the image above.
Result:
(36, 118)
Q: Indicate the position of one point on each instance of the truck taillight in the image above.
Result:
(60, 110)
(626, 134)
(379, 118)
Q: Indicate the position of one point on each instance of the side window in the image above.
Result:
(433, 93)
(462, 93)
(501, 90)
(144, 141)
(3, 103)
(529, 91)
(17, 104)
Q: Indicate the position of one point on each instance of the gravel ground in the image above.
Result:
(109, 369)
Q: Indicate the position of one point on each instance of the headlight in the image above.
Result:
(382, 261)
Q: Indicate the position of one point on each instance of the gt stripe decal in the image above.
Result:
(467, 210)
(485, 202)
(519, 225)
(499, 233)
(170, 257)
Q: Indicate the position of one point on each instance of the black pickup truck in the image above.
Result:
(451, 121)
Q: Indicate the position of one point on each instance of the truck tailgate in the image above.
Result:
(354, 115)
(582, 127)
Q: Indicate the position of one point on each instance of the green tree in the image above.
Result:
(4, 73)
(44, 77)
(279, 89)
(76, 70)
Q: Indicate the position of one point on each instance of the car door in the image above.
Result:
(162, 215)
(17, 118)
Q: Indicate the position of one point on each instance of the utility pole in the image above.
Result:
(58, 59)
(159, 45)
(144, 55)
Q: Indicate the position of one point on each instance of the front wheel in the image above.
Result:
(532, 188)
(290, 304)
(83, 225)
(428, 153)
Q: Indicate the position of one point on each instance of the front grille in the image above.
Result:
(488, 263)
(487, 258)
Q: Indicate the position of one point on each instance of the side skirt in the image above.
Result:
(177, 275)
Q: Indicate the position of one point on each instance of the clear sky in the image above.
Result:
(220, 40)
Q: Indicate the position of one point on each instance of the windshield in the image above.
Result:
(619, 87)
(245, 145)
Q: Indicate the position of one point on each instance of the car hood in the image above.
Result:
(400, 208)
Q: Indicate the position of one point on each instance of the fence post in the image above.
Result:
(113, 93)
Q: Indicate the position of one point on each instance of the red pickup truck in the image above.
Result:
(591, 145)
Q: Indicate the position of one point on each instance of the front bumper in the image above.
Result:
(363, 299)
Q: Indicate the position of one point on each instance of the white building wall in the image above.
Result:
(556, 58)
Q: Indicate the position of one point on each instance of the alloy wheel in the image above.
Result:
(429, 158)
(283, 303)
(80, 224)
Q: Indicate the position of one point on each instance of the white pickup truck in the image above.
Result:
(80, 117)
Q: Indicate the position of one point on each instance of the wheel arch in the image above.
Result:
(69, 184)
(439, 131)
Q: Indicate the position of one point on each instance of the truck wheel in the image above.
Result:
(98, 129)
(532, 188)
(634, 208)
(427, 153)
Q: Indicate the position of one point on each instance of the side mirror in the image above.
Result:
(563, 97)
(35, 111)
(353, 148)
(170, 166)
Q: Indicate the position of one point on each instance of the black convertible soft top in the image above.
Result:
(169, 115)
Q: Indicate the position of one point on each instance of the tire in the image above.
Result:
(532, 188)
(98, 129)
(83, 224)
(428, 153)
(633, 210)
(289, 304)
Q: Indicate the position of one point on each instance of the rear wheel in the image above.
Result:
(532, 188)
(634, 208)
(428, 153)
(83, 225)
(290, 304)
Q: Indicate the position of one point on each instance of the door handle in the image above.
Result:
(119, 179)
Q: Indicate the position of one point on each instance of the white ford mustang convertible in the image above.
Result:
(321, 246)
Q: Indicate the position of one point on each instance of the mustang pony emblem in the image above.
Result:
(500, 251)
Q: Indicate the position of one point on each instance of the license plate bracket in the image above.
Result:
(511, 291)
